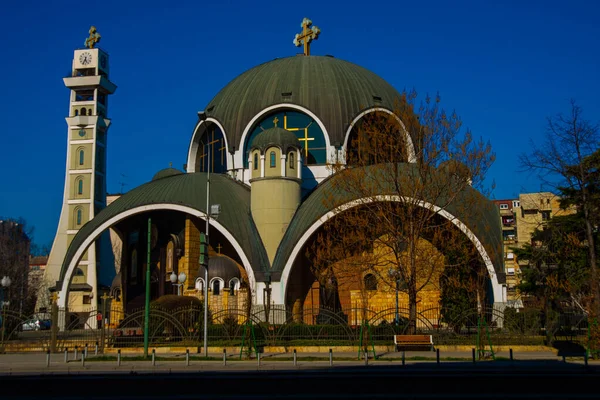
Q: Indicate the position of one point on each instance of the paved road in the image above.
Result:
(531, 375)
(540, 380)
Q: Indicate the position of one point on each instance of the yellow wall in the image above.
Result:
(255, 172)
(273, 204)
(74, 186)
(89, 134)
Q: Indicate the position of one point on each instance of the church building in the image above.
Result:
(257, 173)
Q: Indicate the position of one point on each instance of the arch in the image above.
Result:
(216, 286)
(83, 111)
(308, 233)
(81, 155)
(79, 185)
(291, 160)
(255, 161)
(370, 282)
(234, 283)
(79, 272)
(199, 284)
(195, 143)
(276, 107)
(272, 161)
(412, 158)
(78, 216)
(91, 238)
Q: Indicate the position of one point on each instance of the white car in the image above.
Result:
(31, 325)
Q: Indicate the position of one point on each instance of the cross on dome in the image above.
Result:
(308, 35)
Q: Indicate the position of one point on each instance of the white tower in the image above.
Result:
(85, 179)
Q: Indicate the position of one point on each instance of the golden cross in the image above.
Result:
(308, 35)
(275, 121)
(106, 296)
(222, 150)
(93, 38)
(219, 248)
(212, 151)
(54, 297)
(170, 164)
(305, 139)
(202, 157)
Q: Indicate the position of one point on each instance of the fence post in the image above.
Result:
(403, 357)
(437, 356)
(295, 359)
(224, 357)
(473, 355)
(83, 359)
(330, 358)
(366, 357)
(75, 352)
(153, 357)
(511, 354)
(96, 350)
(119, 358)
(258, 358)
(585, 358)
(187, 357)
(86, 349)
(48, 358)
(66, 355)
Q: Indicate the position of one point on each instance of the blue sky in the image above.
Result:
(503, 66)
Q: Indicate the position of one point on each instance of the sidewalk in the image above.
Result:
(36, 363)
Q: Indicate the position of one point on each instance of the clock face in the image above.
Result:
(85, 58)
(82, 132)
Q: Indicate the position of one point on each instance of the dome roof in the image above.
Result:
(336, 91)
(164, 173)
(276, 137)
(221, 267)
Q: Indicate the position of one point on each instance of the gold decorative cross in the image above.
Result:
(308, 35)
(212, 151)
(275, 121)
(93, 38)
(202, 157)
(54, 297)
(219, 248)
(305, 139)
(222, 150)
(106, 296)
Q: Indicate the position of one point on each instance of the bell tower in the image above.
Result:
(85, 177)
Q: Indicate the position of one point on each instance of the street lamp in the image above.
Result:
(181, 278)
(396, 274)
(5, 283)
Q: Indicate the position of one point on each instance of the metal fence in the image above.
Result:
(234, 327)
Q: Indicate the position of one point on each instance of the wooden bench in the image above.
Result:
(413, 341)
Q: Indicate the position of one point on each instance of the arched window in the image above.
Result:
(234, 283)
(83, 111)
(216, 287)
(80, 186)
(272, 159)
(370, 282)
(78, 217)
(199, 285)
(76, 113)
(79, 272)
(81, 156)
(291, 157)
(255, 160)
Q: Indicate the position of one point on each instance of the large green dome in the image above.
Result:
(336, 91)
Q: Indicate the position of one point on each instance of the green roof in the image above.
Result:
(276, 137)
(485, 223)
(165, 173)
(336, 91)
(188, 190)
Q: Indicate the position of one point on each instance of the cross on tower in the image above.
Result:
(93, 38)
(308, 35)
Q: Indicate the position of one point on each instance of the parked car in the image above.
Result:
(36, 325)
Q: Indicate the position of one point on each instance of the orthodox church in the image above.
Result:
(253, 186)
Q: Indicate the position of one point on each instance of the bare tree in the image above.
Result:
(399, 196)
(560, 162)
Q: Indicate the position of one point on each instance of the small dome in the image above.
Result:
(276, 137)
(221, 267)
(165, 173)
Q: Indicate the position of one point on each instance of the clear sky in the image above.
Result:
(503, 66)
